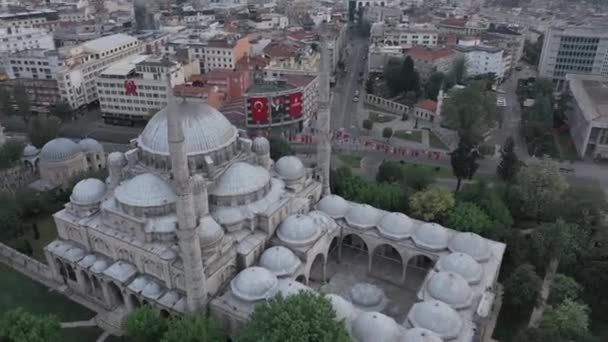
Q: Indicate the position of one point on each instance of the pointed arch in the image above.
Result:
(416, 270)
(387, 263)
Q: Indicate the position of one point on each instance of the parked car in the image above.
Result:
(355, 98)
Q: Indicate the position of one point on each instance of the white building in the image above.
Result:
(77, 82)
(28, 18)
(22, 38)
(405, 35)
(481, 59)
(269, 21)
(33, 63)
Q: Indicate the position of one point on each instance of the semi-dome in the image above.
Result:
(280, 260)
(462, 264)
(431, 236)
(261, 145)
(89, 145)
(288, 287)
(30, 151)
(333, 205)
(88, 191)
(396, 226)
(322, 220)
(298, 230)
(254, 283)
(205, 129)
(209, 232)
(117, 158)
(344, 309)
(290, 168)
(362, 216)
(241, 178)
(99, 266)
(59, 149)
(450, 288)
(368, 297)
(471, 244)
(420, 335)
(375, 327)
(437, 317)
(145, 190)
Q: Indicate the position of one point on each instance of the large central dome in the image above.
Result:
(205, 129)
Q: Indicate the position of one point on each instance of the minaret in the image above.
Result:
(323, 119)
(187, 234)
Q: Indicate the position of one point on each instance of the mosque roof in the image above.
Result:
(363, 216)
(289, 168)
(210, 231)
(145, 190)
(261, 145)
(90, 145)
(471, 244)
(333, 205)
(374, 327)
(395, 226)
(420, 335)
(450, 288)
(437, 317)
(30, 151)
(431, 236)
(462, 264)
(280, 260)
(88, 191)
(298, 230)
(241, 178)
(254, 283)
(59, 149)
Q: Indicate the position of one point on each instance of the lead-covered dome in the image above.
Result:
(431, 236)
(205, 129)
(344, 309)
(59, 149)
(88, 191)
(280, 260)
(396, 226)
(333, 205)
(450, 288)
(210, 232)
(437, 317)
(362, 216)
(420, 335)
(368, 297)
(254, 283)
(462, 264)
(471, 244)
(290, 168)
(89, 145)
(298, 230)
(241, 178)
(30, 151)
(145, 190)
(375, 327)
(261, 145)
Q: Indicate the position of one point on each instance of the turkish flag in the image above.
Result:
(295, 104)
(259, 109)
(130, 87)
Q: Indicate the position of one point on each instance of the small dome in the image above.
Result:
(88, 191)
(462, 264)
(420, 335)
(117, 158)
(450, 288)
(290, 168)
(99, 266)
(240, 179)
(344, 309)
(30, 151)
(431, 236)
(280, 260)
(288, 287)
(254, 283)
(322, 220)
(437, 317)
(333, 205)
(471, 244)
(298, 230)
(90, 145)
(375, 327)
(59, 149)
(209, 232)
(362, 216)
(396, 226)
(152, 290)
(145, 190)
(368, 297)
(261, 145)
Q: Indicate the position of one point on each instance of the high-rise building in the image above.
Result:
(147, 14)
(574, 50)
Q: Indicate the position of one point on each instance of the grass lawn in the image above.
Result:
(48, 232)
(434, 142)
(381, 118)
(437, 171)
(84, 334)
(415, 136)
(350, 161)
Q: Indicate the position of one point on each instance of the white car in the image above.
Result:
(501, 102)
(356, 99)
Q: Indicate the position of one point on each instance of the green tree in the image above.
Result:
(464, 161)
(569, 319)
(304, 317)
(10, 152)
(432, 204)
(10, 221)
(392, 75)
(509, 163)
(558, 240)
(387, 133)
(522, 287)
(193, 328)
(384, 196)
(433, 86)
(19, 325)
(43, 129)
(369, 86)
(541, 112)
(564, 287)
(417, 178)
(467, 217)
(23, 102)
(368, 124)
(489, 200)
(279, 147)
(390, 171)
(145, 324)
(409, 75)
(583, 205)
(6, 101)
(459, 70)
(62, 110)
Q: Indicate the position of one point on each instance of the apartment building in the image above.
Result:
(463, 26)
(573, 50)
(214, 53)
(23, 38)
(28, 18)
(481, 59)
(506, 38)
(405, 35)
(427, 61)
(293, 59)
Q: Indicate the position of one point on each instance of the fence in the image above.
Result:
(388, 105)
(24, 264)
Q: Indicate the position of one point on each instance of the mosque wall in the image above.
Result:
(59, 173)
(16, 177)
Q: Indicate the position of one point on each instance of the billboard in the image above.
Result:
(277, 108)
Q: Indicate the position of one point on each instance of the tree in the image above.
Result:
(541, 112)
(431, 204)
(23, 102)
(558, 240)
(193, 328)
(368, 124)
(459, 70)
(522, 287)
(583, 205)
(19, 325)
(433, 86)
(6, 101)
(10, 221)
(387, 133)
(390, 171)
(467, 217)
(145, 324)
(62, 110)
(43, 129)
(509, 163)
(489, 200)
(369, 86)
(464, 161)
(304, 317)
(532, 51)
(10, 152)
(417, 178)
(279, 147)
(392, 75)
(569, 319)
(563, 288)
(409, 75)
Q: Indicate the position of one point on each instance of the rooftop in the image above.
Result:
(591, 94)
(428, 54)
(267, 87)
(108, 42)
(427, 104)
(280, 50)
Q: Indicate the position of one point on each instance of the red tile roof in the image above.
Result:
(249, 63)
(427, 104)
(428, 54)
(278, 50)
(301, 35)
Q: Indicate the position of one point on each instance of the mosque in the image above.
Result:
(197, 217)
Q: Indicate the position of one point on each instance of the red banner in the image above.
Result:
(295, 104)
(259, 109)
(130, 87)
